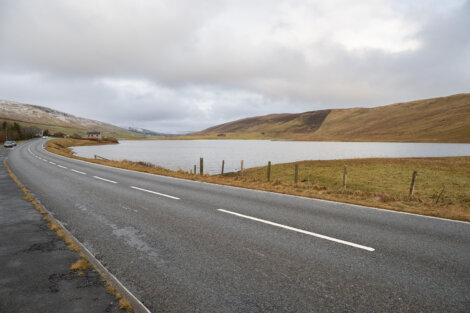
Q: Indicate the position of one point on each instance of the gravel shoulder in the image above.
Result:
(35, 273)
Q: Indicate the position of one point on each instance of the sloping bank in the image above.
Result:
(442, 185)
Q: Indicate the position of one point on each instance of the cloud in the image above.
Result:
(175, 65)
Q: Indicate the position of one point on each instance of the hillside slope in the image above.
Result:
(43, 117)
(445, 119)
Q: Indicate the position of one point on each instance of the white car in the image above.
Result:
(9, 144)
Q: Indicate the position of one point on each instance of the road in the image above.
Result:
(184, 246)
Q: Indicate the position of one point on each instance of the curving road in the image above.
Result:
(184, 246)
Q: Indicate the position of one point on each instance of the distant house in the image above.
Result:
(94, 135)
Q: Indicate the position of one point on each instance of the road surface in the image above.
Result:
(184, 246)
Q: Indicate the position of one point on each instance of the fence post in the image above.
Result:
(201, 166)
(241, 167)
(345, 177)
(442, 191)
(413, 182)
(269, 170)
(296, 176)
(223, 164)
(195, 169)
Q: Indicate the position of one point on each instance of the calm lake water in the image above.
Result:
(184, 154)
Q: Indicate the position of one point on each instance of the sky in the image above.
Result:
(178, 65)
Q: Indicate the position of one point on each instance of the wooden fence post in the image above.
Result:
(296, 176)
(345, 177)
(195, 169)
(201, 166)
(413, 182)
(223, 165)
(241, 167)
(269, 170)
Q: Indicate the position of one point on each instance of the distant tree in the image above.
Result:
(46, 133)
(4, 125)
(16, 127)
(59, 134)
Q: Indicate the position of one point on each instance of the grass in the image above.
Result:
(82, 263)
(118, 133)
(442, 186)
(445, 119)
(51, 224)
(123, 304)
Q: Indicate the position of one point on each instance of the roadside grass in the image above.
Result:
(82, 263)
(123, 304)
(442, 185)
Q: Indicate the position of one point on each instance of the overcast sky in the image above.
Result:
(181, 65)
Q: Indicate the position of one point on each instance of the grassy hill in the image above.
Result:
(445, 119)
(55, 121)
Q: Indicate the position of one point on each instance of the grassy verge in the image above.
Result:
(442, 186)
(82, 263)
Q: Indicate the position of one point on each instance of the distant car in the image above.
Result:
(9, 144)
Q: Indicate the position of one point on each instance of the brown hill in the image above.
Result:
(445, 119)
(47, 118)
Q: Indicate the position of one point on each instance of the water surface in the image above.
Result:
(184, 154)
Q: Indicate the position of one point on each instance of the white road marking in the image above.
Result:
(51, 162)
(384, 211)
(355, 245)
(155, 193)
(61, 166)
(83, 173)
(104, 179)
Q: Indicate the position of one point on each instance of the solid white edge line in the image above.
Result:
(156, 193)
(104, 179)
(140, 307)
(61, 166)
(261, 191)
(344, 242)
(83, 173)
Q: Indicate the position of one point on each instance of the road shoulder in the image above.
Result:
(35, 263)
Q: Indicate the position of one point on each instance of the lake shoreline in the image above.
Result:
(441, 188)
(184, 154)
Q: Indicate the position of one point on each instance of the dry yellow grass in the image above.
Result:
(445, 119)
(80, 265)
(442, 188)
(123, 304)
(52, 225)
(25, 191)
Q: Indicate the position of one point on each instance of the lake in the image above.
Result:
(184, 154)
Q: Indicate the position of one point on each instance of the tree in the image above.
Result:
(16, 127)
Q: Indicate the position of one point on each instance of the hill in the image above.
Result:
(445, 119)
(55, 121)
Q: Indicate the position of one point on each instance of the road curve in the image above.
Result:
(184, 246)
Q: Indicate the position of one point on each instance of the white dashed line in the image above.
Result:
(355, 245)
(155, 193)
(104, 179)
(83, 173)
(52, 163)
(61, 166)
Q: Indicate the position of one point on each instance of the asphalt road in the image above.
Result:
(184, 246)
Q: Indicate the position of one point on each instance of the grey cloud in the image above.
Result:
(170, 65)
